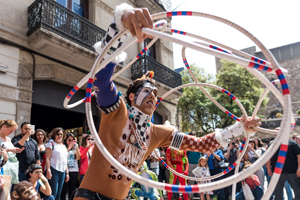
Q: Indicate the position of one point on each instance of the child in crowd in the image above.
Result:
(202, 171)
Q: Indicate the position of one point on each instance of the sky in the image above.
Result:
(274, 22)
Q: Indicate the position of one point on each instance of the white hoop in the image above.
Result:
(237, 177)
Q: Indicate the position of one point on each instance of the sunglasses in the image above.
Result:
(70, 140)
(38, 172)
(90, 139)
(59, 134)
(293, 137)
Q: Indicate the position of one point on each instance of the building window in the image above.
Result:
(80, 7)
(151, 51)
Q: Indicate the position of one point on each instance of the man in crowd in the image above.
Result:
(290, 171)
(30, 155)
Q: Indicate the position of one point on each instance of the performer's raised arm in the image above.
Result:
(125, 16)
(181, 141)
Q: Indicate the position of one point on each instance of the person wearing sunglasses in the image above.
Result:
(34, 174)
(56, 162)
(86, 151)
(73, 157)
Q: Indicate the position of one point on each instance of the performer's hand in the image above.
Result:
(135, 19)
(185, 173)
(250, 123)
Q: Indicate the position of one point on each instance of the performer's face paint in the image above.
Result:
(146, 95)
(144, 92)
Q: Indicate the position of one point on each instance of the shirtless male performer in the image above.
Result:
(126, 131)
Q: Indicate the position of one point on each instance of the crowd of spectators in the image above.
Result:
(49, 163)
(55, 164)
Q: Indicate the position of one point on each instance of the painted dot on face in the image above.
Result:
(128, 179)
(124, 136)
(147, 137)
(122, 150)
(113, 177)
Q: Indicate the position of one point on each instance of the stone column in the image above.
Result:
(24, 100)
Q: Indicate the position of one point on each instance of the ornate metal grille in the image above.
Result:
(56, 18)
(161, 72)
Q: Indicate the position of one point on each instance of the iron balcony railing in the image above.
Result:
(161, 73)
(58, 19)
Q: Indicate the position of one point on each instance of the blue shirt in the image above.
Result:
(193, 157)
(210, 159)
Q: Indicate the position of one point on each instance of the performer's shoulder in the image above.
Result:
(162, 129)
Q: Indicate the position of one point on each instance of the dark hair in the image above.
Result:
(192, 133)
(67, 136)
(259, 142)
(24, 124)
(251, 140)
(84, 140)
(55, 131)
(42, 131)
(135, 85)
(31, 168)
(22, 186)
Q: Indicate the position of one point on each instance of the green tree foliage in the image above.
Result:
(195, 109)
(243, 85)
(198, 113)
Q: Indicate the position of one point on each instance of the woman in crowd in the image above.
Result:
(85, 154)
(34, 174)
(7, 127)
(56, 162)
(73, 157)
(251, 155)
(40, 137)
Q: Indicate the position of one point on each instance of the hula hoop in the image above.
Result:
(242, 150)
(237, 177)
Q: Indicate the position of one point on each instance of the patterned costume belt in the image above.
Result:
(80, 192)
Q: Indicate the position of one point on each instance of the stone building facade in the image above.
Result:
(46, 48)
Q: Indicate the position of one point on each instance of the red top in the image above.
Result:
(252, 182)
(84, 161)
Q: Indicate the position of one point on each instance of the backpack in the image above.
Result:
(44, 160)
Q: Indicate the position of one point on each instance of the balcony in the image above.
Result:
(162, 74)
(56, 18)
(274, 123)
(59, 33)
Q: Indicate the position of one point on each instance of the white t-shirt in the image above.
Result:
(59, 158)
(155, 164)
(72, 162)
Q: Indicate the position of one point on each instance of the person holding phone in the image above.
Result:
(86, 151)
(73, 157)
(31, 154)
